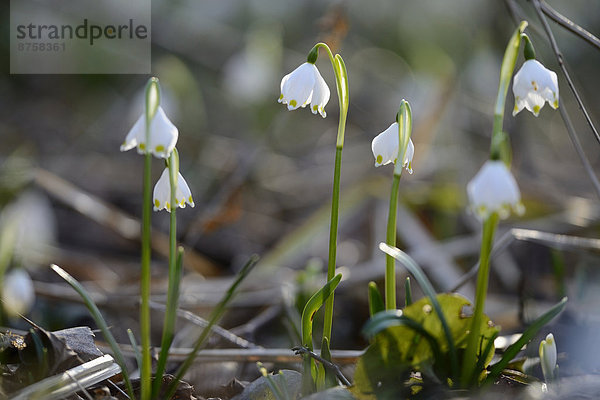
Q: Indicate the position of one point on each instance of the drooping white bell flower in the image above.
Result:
(162, 192)
(18, 294)
(385, 148)
(305, 85)
(533, 85)
(494, 189)
(548, 357)
(163, 136)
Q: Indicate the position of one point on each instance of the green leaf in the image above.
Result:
(99, 319)
(375, 300)
(525, 338)
(310, 369)
(419, 275)
(313, 305)
(413, 339)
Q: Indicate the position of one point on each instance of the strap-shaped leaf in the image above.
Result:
(375, 300)
(525, 338)
(419, 275)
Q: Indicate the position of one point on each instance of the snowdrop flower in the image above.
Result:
(18, 294)
(548, 357)
(385, 148)
(494, 189)
(163, 135)
(162, 192)
(305, 85)
(533, 85)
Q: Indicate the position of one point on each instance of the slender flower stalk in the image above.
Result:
(152, 102)
(341, 80)
(499, 151)
(174, 275)
(392, 145)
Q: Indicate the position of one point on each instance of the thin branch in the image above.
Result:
(517, 16)
(569, 25)
(577, 144)
(326, 364)
(553, 240)
(559, 57)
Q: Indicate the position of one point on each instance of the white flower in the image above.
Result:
(162, 192)
(305, 85)
(548, 357)
(494, 189)
(18, 294)
(533, 85)
(385, 148)
(163, 135)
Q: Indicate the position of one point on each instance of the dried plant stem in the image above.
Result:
(559, 58)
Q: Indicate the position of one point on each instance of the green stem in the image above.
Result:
(390, 263)
(175, 260)
(151, 106)
(145, 279)
(328, 321)
(470, 357)
(341, 81)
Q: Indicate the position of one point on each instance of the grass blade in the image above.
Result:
(525, 338)
(419, 275)
(375, 301)
(93, 309)
(214, 317)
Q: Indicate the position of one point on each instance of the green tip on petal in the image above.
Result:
(160, 148)
(293, 103)
(536, 110)
(379, 159)
(156, 203)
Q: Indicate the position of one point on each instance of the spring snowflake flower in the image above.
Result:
(385, 148)
(162, 192)
(548, 357)
(163, 135)
(533, 85)
(494, 189)
(305, 85)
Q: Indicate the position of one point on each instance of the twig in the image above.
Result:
(512, 9)
(532, 235)
(115, 219)
(176, 354)
(216, 329)
(326, 364)
(569, 25)
(577, 144)
(559, 57)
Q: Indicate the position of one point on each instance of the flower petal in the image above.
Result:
(320, 95)
(163, 135)
(297, 86)
(131, 140)
(385, 145)
(494, 189)
(162, 192)
(533, 85)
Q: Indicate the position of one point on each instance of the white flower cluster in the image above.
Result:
(162, 140)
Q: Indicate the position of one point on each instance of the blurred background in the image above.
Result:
(261, 176)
